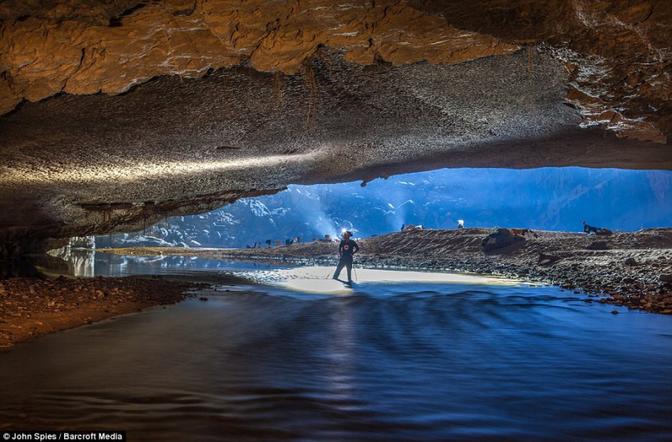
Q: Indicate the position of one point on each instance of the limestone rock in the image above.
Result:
(62, 51)
(598, 245)
(617, 53)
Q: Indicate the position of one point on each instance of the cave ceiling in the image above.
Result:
(114, 114)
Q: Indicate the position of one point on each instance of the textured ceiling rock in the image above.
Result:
(117, 112)
(62, 52)
(617, 52)
(96, 163)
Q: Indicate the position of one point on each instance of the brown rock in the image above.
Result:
(547, 260)
(45, 56)
(617, 53)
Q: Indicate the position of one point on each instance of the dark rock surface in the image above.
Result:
(597, 245)
(502, 241)
(31, 307)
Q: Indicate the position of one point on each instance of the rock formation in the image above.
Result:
(617, 53)
(119, 112)
(110, 51)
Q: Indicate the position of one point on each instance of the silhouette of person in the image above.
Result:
(346, 249)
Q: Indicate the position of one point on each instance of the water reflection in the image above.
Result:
(392, 362)
(80, 262)
(341, 352)
(89, 263)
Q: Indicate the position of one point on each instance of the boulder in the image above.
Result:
(547, 260)
(598, 245)
(502, 241)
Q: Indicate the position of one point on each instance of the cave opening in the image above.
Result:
(556, 199)
(488, 264)
(551, 199)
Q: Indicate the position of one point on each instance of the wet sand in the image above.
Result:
(318, 279)
(633, 269)
(31, 307)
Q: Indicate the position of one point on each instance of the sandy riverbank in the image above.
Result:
(633, 269)
(31, 307)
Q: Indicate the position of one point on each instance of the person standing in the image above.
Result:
(346, 249)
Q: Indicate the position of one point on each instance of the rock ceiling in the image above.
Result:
(119, 112)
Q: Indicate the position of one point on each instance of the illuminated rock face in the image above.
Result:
(206, 101)
(64, 52)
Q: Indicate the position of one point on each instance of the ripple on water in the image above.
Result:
(387, 361)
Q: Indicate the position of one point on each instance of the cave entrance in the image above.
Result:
(556, 199)
(546, 199)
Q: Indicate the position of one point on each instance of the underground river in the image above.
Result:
(400, 356)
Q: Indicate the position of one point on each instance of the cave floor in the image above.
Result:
(629, 268)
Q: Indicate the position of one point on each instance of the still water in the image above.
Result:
(88, 263)
(384, 361)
